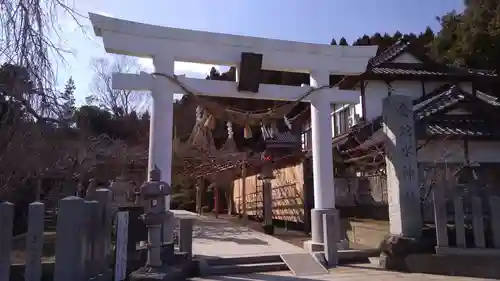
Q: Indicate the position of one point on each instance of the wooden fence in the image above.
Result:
(475, 222)
(83, 248)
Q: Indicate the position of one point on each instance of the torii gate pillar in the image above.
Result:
(161, 122)
(166, 45)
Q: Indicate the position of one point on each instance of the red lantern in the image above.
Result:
(268, 166)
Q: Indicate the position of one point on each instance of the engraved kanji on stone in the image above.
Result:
(403, 110)
(407, 150)
(405, 131)
(408, 173)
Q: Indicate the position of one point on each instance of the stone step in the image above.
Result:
(247, 268)
(244, 260)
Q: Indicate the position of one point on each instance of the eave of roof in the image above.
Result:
(380, 67)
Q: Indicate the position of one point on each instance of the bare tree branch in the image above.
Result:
(119, 102)
(29, 103)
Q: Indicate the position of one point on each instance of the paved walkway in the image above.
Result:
(338, 274)
(219, 238)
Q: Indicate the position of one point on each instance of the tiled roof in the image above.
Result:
(383, 65)
(389, 53)
(401, 71)
(394, 70)
(376, 64)
(437, 101)
(283, 137)
(464, 127)
(445, 97)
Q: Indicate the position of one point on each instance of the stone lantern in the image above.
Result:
(152, 198)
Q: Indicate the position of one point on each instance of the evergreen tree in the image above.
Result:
(397, 35)
(333, 42)
(376, 39)
(363, 41)
(343, 42)
(471, 38)
(68, 100)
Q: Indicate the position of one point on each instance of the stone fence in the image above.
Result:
(83, 248)
(87, 245)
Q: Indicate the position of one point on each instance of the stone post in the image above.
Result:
(168, 228)
(34, 242)
(331, 227)
(70, 260)
(401, 166)
(104, 198)
(92, 231)
(186, 236)
(6, 222)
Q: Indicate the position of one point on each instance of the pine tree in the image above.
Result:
(333, 42)
(343, 42)
(68, 99)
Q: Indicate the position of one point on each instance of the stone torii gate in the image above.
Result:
(166, 45)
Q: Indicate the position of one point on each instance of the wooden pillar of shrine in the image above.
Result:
(266, 175)
(199, 195)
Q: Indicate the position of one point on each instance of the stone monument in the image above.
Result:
(405, 218)
(90, 194)
(401, 165)
(122, 191)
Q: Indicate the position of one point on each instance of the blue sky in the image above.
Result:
(315, 21)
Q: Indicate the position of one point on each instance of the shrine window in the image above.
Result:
(306, 136)
(344, 119)
(307, 139)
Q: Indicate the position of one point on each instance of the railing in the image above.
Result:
(83, 249)
(471, 217)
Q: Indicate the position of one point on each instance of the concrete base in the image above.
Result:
(317, 224)
(316, 244)
(312, 246)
